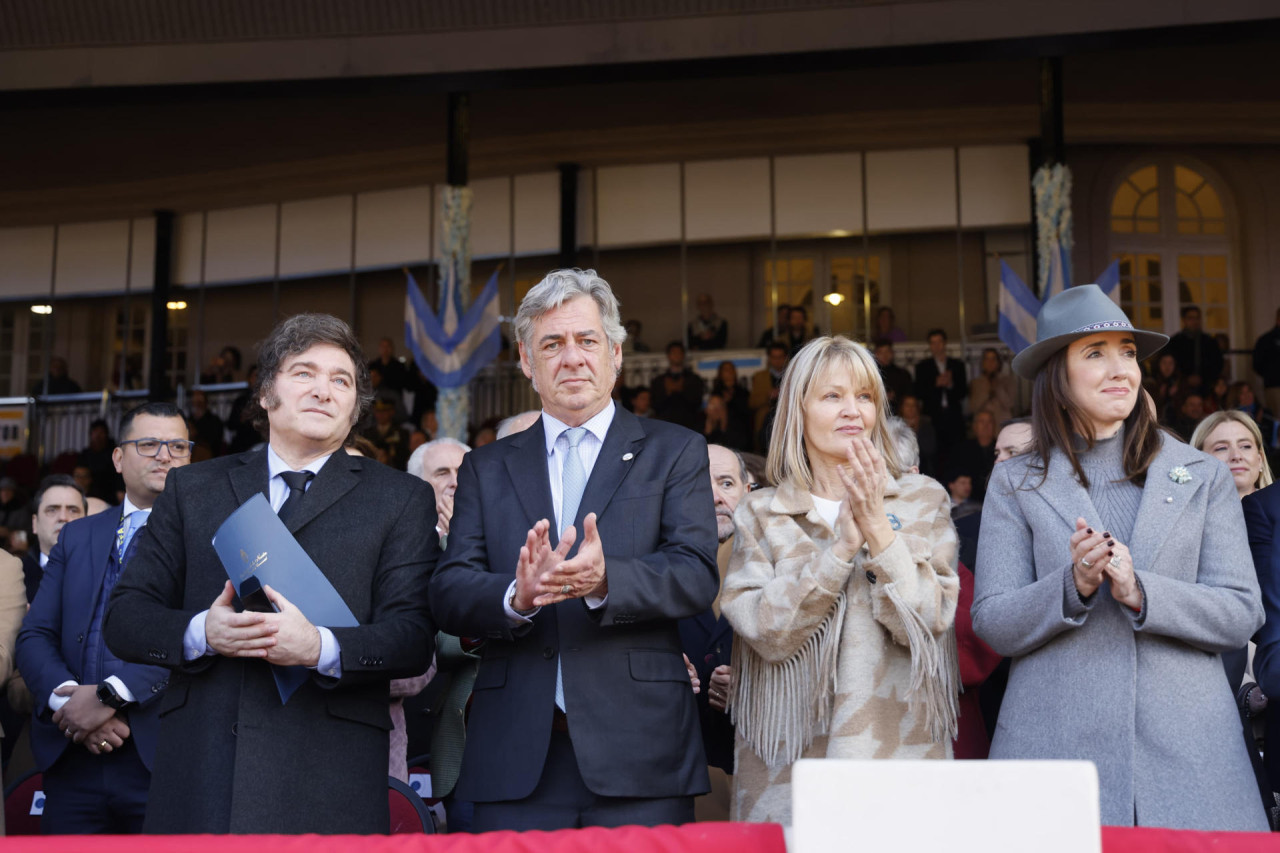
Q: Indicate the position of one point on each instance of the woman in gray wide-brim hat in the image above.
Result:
(1114, 568)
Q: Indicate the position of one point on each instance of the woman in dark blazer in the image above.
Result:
(1114, 570)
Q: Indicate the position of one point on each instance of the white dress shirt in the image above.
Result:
(194, 641)
(588, 451)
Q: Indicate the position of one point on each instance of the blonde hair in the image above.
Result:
(1201, 437)
(788, 458)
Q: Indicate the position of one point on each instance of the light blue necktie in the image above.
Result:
(136, 519)
(574, 479)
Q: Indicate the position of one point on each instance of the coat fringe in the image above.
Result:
(935, 670)
(778, 708)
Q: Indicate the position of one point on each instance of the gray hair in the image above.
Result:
(905, 440)
(416, 460)
(508, 426)
(743, 473)
(557, 288)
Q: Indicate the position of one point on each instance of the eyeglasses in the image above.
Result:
(179, 448)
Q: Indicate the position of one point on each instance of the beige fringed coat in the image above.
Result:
(834, 659)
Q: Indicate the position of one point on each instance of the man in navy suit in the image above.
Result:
(1262, 519)
(575, 548)
(95, 717)
(707, 639)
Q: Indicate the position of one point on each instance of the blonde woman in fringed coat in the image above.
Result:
(841, 590)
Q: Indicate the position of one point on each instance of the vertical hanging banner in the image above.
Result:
(450, 345)
(1052, 187)
(451, 359)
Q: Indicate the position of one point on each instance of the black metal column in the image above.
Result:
(157, 382)
(459, 138)
(1052, 148)
(568, 215)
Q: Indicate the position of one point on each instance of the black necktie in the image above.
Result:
(297, 483)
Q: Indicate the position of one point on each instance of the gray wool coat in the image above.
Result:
(1141, 695)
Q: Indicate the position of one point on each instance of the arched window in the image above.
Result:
(1169, 232)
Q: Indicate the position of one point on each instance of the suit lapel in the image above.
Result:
(622, 444)
(1062, 491)
(102, 548)
(526, 462)
(1163, 500)
(338, 476)
(250, 478)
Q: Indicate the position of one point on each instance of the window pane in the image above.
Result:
(1148, 226)
(1215, 266)
(1215, 226)
(1209, 203)
(1215, 292)
(1125, 201)
(1216, 320)
(1187, 208)
(1149, 207)
(1144, 179)
(1186, 180)
(1189, 266)
(1122, 226)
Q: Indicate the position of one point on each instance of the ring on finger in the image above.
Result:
(1115, 562)
(566, 589)
(1086, 563)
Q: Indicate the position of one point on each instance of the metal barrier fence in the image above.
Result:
(59, 424)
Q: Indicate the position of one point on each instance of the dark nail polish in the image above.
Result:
(1106, 535)
(1088, 530)
(1109, 551)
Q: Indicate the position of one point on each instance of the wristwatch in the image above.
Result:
(108, 696)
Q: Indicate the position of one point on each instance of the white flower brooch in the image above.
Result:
(1180, 475)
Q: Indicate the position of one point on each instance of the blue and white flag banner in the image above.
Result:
(1051, 187)
(1018, 310)
(450, 358)
(1109, 281)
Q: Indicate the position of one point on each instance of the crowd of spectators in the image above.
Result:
(937, 420)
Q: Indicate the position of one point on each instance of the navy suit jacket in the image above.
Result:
(1262, 518)
(631, 710)
(51, 645)
(708, 641)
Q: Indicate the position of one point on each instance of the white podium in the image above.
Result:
(945, 806)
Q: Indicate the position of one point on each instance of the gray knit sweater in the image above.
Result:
(1115, 498)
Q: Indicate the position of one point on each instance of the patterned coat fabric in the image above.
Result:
(1141, 695)
(783, 586)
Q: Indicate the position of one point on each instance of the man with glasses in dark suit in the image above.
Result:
(95, 717)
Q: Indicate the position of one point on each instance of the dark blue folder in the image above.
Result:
(253, 542)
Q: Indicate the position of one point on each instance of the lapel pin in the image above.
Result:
(627, 457)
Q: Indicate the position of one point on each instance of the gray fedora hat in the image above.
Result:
(1074, 313)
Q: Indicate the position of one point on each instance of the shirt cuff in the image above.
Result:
(512, 616)
(122, 689)
(330, 662)
(194, 643)
(595, 602)
(55, 701)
